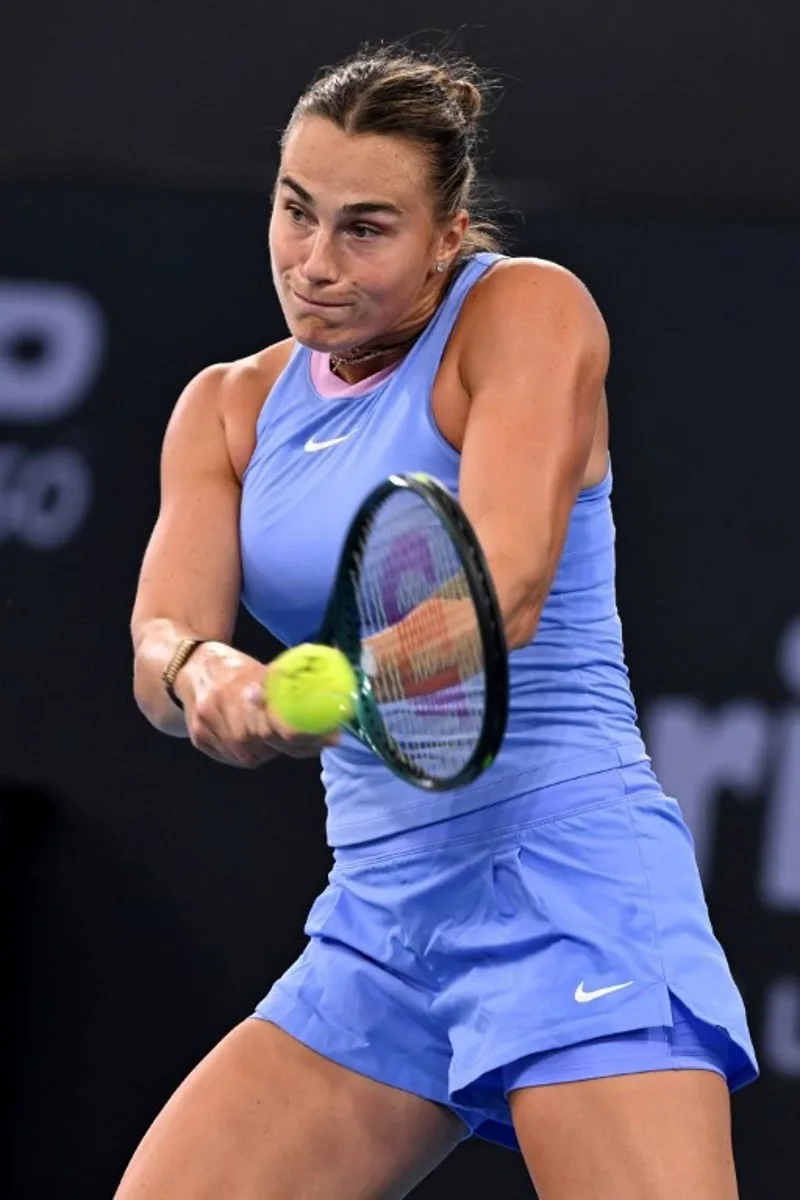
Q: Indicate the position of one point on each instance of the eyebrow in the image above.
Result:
(360, 208)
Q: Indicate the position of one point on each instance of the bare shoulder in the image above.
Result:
(526, 311)
(532, 286)
(228, 397)
(248, 381)
(224, 387)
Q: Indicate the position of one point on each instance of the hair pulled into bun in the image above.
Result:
(434, 100)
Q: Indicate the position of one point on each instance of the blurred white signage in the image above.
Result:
(52, 347)
(750, 751)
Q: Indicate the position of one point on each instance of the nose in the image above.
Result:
(320, 266)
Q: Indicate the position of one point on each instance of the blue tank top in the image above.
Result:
(315, 459)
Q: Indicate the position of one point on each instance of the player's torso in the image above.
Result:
(314, 460)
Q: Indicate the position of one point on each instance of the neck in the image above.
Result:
(355, 365)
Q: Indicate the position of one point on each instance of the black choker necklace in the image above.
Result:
(350, 357)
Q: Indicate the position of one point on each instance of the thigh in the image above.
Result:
(661, 1135)
(264, 1118)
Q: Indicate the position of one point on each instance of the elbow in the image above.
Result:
(520, 612)
(521, 598)
(521, 626)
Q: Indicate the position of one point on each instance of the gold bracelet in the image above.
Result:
(184, 651)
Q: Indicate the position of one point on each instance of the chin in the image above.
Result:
(308, 334)
(313, 339)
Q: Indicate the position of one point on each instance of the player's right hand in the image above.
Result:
(222, 691)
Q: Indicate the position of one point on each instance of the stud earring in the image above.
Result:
(441, 266)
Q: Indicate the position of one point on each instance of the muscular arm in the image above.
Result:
(190, 577)
(534, 363)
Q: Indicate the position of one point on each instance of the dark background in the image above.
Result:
(151, 896)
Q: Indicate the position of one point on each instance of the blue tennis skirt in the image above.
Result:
(560, 935)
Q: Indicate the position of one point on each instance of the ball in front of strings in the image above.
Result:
(312, 689)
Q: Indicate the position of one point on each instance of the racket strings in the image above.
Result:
(424, 653)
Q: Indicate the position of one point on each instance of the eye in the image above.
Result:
(296, 214)
(364, 233)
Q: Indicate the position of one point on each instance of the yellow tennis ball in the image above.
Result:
(311, 688)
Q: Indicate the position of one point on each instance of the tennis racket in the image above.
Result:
(414, 611)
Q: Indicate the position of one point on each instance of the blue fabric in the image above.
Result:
(555, 936)
(572, 713)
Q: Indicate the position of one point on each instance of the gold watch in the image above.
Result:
(183, 652)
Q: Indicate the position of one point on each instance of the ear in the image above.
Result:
(452, 236)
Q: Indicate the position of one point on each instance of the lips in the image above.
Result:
(318, 303)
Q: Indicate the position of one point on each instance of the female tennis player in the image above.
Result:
(529, 957)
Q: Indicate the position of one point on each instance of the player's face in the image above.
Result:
(352, 237)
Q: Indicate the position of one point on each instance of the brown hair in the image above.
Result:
(432, 100)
